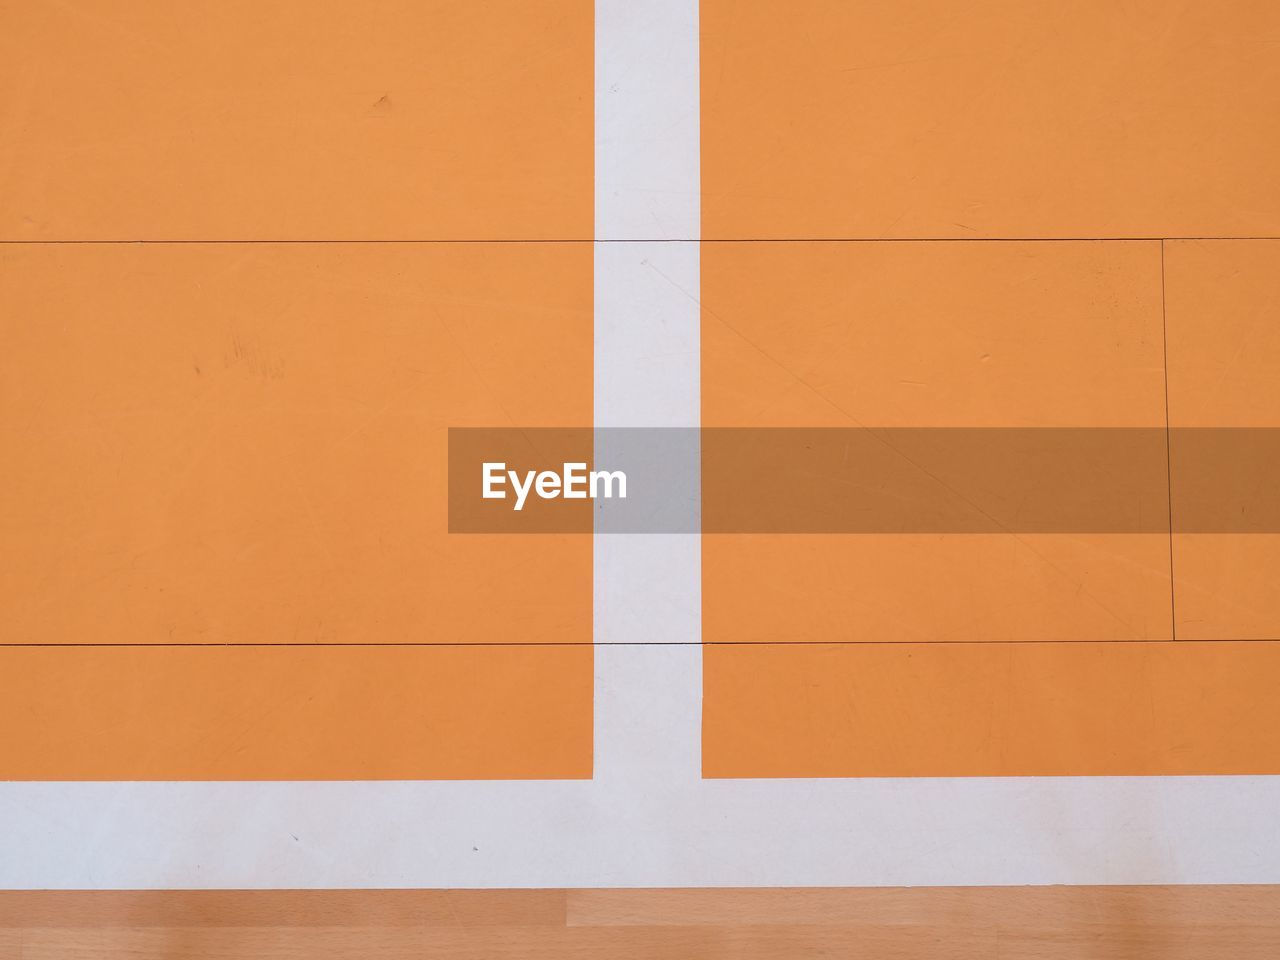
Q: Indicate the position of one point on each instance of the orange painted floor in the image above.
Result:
(256, 260)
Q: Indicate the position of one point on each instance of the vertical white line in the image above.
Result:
(647, 590)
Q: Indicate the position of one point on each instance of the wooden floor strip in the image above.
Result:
(973, 923)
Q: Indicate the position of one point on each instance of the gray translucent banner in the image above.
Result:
(871, 481)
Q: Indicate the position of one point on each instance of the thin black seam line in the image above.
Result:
(1168, 446)
(582, 240)
(656, 643)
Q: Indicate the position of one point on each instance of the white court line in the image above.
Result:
(647, 819)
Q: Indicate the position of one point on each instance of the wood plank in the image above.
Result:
(315, 712)
(991, 709)
(235, 120)
(995, 118)
(1024, 335)
(137, 909)
(216, 443)
(936, 906)
(1224, 368)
